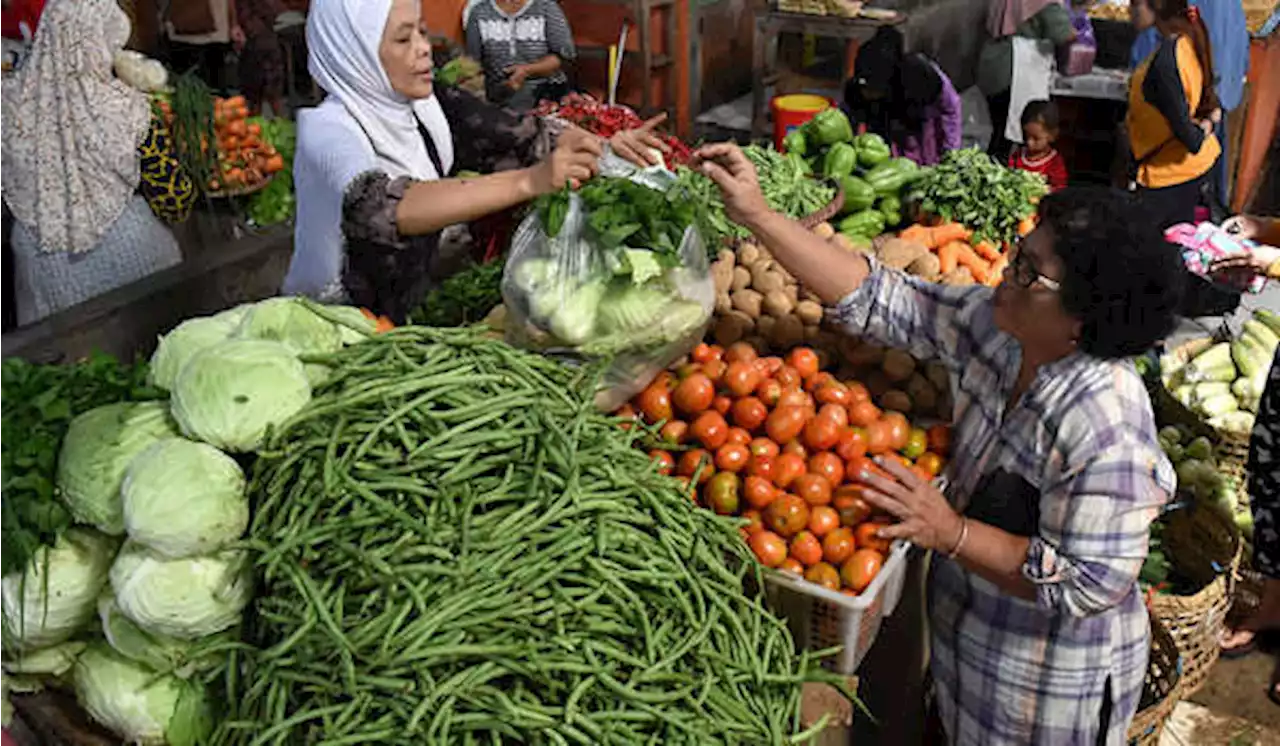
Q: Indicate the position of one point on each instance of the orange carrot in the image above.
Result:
(1026, 225)
(919, 234)
(987, 250)
(997, 270)
(948, 232)
(967, 257)
(948, 254)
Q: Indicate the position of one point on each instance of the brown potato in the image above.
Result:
(788, 332)
(722, 275)
(741, 278)
(897, 400)
(960, 276)
(809, 312)
(824, 230)
(724, 304)
(748, 253)
(898, 365)
(927, 267)
(748, 301)
(765, 280)
(777, 304)
(764, 325)
(732, 327)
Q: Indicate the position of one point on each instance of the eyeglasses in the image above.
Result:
(1025, 274)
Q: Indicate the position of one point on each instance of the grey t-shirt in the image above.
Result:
(499, 40)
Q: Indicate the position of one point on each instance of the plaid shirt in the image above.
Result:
(1008, 670)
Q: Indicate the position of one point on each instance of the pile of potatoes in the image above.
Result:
(895, 379)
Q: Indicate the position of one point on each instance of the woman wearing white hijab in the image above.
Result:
(71, 165)
(374, 159)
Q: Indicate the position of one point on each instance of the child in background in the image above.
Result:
(1037, 155)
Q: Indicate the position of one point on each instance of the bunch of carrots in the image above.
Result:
(244, 158)
(955, 246)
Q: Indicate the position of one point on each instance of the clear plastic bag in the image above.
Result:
(574, 297)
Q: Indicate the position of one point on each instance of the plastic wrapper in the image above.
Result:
(1205, 243)
(578, 297)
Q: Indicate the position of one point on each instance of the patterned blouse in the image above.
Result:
(390, 273)
(1075, 467)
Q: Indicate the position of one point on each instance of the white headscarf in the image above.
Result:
(71, 129)
(343, 37)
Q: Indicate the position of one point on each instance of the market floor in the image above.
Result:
(1231, 709)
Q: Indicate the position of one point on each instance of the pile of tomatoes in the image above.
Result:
(781, 443)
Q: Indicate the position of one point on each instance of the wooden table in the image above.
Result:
(764, 58)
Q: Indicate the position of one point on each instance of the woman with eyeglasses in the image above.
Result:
(1039, 633)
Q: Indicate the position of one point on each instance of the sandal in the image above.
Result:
(1238, 651)
(1273, 692)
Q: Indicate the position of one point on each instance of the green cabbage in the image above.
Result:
(137, 704)
(575, 319)
(186, 339)
(183, 498)
(229, 394)
(289, 321)
(353, 326)
(182, 598)
(55, 596)
(159, 653)
(96, 452)
(54, 660)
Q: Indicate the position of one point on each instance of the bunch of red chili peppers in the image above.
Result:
(605, 120)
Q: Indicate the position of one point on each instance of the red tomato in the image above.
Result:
(741, 378)
(852, 443)
(855, 467)
(693, 395)
(835, 413)
(851, 505)
(857, 393)
(838, 545)
(879, 437)
(762, 367)
(665, 380)
(758, 492)
(931, 463)
(626, 412)
(899, 430)
(786, 423)
(794, 397)
(823, 519)
(787, 515)
(710, 430)
(791, 564)
(865, 534)
(804, 360)
(772, 365)
(788, 377)
(859, 570)
(829, 466)
(739, 435)
(702, 353)
(939, 438)
(721, 493)
(916, 445)
(691, 460)
(714, 370)
(832, 393)
(655, 403)
(763, 447)
(863, 413)
(740, 352)
(755, 522)
(674, 432)
(732, 457)
(806, 548)
(817, 381)
(797, 448)
(769, 548)
(812, 488)
(763, 466)
(722, 404)
(686, 370)
(787, 468)
(665, 461)
(821, 433)
(749, 412)
(769, 391)
(824, 575)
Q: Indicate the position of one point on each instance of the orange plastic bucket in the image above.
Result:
(792, 111)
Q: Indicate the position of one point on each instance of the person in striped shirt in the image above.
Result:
(1039, 633)
(523, 46)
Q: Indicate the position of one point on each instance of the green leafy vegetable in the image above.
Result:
(464, 298)
(138, 705)
(970, 188)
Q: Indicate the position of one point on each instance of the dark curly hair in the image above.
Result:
(1121, 280)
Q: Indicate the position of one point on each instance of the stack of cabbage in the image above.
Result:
(158, 571)
(1223, 382)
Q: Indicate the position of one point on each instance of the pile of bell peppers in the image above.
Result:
(872, 179)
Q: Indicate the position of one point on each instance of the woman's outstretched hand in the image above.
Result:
(925, 517)
(733, 172)
(1254, 262)
(639, 145)
(574, 161)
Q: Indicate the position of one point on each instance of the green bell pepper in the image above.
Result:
(829, 127)
(889, 203)
(864, 223)
(795, 142)
(839, 161)
(858, 194)
(889, 177)
(892, 219)
(872, 150)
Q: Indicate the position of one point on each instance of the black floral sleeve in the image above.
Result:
(488, 138)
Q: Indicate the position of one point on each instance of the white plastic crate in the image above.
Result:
(820, 618)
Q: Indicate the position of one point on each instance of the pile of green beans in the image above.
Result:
(454, 547)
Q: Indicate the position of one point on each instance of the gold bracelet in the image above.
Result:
(964, 534)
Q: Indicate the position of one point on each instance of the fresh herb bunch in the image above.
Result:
(465, 298)
(39, 403)
(970, 188)
(621, 213)
(194, 136)
(785, 181)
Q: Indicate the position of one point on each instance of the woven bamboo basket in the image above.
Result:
(1161, 689)
(806, 7)
(1195, 623)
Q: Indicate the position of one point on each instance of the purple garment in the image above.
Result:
(1083, 26)
(942, 127)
